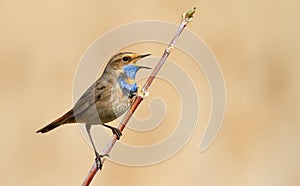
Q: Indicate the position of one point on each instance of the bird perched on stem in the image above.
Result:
(105, 100)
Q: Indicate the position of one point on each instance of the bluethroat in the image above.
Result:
(106, 99)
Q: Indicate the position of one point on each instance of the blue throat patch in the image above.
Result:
(125, 80)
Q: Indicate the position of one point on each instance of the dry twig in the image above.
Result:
(186, 18)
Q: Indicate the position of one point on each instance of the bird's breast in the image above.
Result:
(127, 85)
(115, 105)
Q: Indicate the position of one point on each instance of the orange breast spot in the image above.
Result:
(130, 81)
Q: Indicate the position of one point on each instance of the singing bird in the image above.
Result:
(106, 99)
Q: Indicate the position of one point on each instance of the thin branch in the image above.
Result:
(186, 18)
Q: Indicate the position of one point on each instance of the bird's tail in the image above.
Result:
(66, 118)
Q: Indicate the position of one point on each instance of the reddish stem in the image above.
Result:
(186, 18)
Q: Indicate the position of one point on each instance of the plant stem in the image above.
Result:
(186, 18)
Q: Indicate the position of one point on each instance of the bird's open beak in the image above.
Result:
(140, 67)
(142, 56)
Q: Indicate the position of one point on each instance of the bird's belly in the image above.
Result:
(114, 106)
(110, 107)
(100, 113)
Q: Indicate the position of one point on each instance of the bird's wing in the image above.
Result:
(97, 92)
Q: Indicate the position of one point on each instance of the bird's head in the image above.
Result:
(125, 62)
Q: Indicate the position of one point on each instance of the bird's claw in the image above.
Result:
(98, 160)
(117, 132)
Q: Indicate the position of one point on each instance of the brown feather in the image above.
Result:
(66, 118)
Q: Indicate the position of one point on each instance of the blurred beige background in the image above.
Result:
(256, 43)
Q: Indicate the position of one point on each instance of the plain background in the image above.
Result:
(256, 43)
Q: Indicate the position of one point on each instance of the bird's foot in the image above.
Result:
(117, 132)
(98, 160)
(114, 130)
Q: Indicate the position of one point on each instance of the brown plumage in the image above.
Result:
(66, 118)
(106, 99)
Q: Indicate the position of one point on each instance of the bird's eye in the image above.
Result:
(126, 58)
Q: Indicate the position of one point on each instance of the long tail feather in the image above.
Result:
(66, 118)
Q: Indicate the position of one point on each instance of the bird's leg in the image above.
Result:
(115, 131)
(98, 156)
